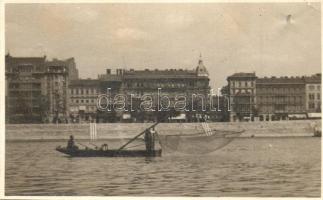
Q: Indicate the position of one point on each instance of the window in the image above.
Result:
(286, 90)
(311, 105)
(82, 101)
(76, 100)
(246, 84)
(319, 87)
(311, 96)
(87, 101)
(318, 96)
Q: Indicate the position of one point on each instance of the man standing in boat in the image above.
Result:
(150, 140)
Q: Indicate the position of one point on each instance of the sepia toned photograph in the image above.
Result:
(203, 99)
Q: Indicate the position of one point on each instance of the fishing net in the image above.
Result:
(197, 143)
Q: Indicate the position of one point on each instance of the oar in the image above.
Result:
(123, 146)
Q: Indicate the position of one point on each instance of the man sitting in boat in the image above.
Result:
(71, 143)
(150, 140)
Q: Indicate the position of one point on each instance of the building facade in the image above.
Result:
(138, 84)
(25, 99)
(56, 84)
(313, 93)
(36, 89)
(242, 95)
(280, 98)
(73, 73)
(83, 96)
(274, 98)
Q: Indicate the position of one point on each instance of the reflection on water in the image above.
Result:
(246, 167)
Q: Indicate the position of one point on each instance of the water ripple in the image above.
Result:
(246, 167)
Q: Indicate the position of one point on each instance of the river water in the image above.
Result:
(262, 167)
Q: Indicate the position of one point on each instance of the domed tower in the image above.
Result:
(201, 69)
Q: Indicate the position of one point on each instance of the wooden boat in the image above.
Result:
(108, 153)
(105, 152)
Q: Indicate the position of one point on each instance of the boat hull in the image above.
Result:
(108, 153)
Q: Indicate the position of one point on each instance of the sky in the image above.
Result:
(271, 39)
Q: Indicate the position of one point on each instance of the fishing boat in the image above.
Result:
(200, 143)
(108, 153)
(103, 151)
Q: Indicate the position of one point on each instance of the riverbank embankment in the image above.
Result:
(128, 130)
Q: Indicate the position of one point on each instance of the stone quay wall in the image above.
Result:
(128, 130)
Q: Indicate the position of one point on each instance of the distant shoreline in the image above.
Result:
(113, 139)
(117, 131)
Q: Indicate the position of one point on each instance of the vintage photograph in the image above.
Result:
(162, 99)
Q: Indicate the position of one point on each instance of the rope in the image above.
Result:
(135, 146)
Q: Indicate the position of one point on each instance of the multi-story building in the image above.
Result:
(37, 89)
(242, 95)
(274, 98)
(111, 82)
(56, 84)
(280, 98)
(135, 84)
(173, 83)
(25, 102)
(313, 93)
(110, 85)
(83, 95)
(73, 73)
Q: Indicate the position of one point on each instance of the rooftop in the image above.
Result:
(109, 77)
(84, 82)
(316, 78)
(56, 63)
(281, 80)
(25, 59)
(153, 74)
(243, 75)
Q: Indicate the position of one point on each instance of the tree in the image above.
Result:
(225, 90)
(44, 108)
